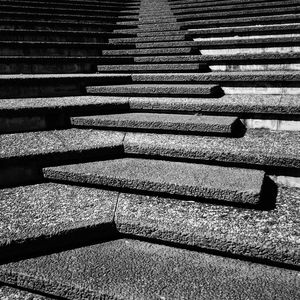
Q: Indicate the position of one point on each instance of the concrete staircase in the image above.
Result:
(149, 149)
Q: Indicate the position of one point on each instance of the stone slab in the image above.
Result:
(128, 269)
(270, 236)
(175, 178)
(45, 143)
(48, 216)
(258, 147)
(268, 105)
(151, 121)
(152, 51)
(202, 90)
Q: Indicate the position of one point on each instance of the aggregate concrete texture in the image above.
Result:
(128, 269)
(175, 178)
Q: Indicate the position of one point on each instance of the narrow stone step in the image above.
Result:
(197, 90)
(154, 68)
(260, 148)
(213, 125)
(147, 39)
(72, 274)
(159, 33)
(148, 21)
(33, 114)
(150, 29)
(167, 44)
(23, 155)
(266, 106)
(48, 216)
(54, 85)
(152, 51)
(175, 178)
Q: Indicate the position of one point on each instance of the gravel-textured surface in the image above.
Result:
(128, 269)
(33, 213)
(196, 180)
(154, 51)
(78, 104)
(34, 144)
(272, 235)
(238, 104)
(11, 293)
(254, 76)
(150, 121)
(156, 89)
(257, 147)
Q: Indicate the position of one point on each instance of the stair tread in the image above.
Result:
(220, 76)
(44, 143)
(175, 178)
(141, 89)
(31, 213)
(257, 147)
(186, 50)
(271, 235)
(148, 121)
(83, 273)
(282, 105)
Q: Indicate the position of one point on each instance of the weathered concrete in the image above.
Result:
(127, 269)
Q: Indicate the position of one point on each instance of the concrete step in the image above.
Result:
(53, 216)
(167, 44)
(134, 261)
(192, 90)
(258, 148)
(257, 235)
(56, 35)
(245, 106)
(148, 21)
(150, 28)
(54, 85)
(204, 7)
(194, 15)
(28, 48)
(246, 30)
(33, 114)
(147, 39)
(23, 155)
(233, 22)
(154, 68)
(210, 125)
(152, 51)
(37, 24)
(173, 178)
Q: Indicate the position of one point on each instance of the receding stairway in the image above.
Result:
(149, 149)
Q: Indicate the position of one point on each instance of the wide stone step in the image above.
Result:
(189, 124)
(219, 6)
(33, 114)
(148, 21)
(255, 77)
(150, 28)
(167, 44)
(193, 90)
(260, 148)
(23, 155)
(160, 33)
(154, 68)
(56, 35)
(151, 51)
(175, 178)
(72, 274)
(260, 20)
(194, 15)
(245, 30)
(53, 216)
(54, 85)
(253, 106)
